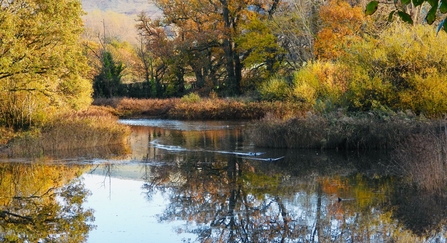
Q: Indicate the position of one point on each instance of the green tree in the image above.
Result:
(107, 83)
(262, 53)
(42, 67)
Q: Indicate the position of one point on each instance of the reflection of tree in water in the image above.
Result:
(238, 200)
(226, 198)
(43, 203)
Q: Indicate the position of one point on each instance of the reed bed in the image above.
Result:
(91, 128)
(338, 131)
(422, 158)
(201, 109)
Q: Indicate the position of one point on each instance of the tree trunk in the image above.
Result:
(228, 49)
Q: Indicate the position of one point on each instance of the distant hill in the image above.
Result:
(128, 7)
(118, 15)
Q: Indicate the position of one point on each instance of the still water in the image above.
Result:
(203, 182)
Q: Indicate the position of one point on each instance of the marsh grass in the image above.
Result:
(91, 128)
(422, 158)
(196, 108)
(337, 130)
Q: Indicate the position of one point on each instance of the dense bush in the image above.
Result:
(191, 98)
(319, 83)
(276, 88)
(402, 69)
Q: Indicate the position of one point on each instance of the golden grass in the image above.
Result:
(201, 109)
(91, 128)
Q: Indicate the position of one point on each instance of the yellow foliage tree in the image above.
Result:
(42, 67)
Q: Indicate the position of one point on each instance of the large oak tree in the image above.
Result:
(202, 38)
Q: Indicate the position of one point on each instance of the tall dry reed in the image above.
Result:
(422, 158)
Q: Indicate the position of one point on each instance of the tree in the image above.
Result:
(42, 67)
(263, 54)
(202, 38)
(296, 23)
(107, 83)
(160, 45)
(146, 66)
(341, 24)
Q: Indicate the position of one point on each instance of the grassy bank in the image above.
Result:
(94, 127)
(339, 131)
(196, 108)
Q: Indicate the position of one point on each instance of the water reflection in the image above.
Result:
(308, 196)
(186, 182)
(238, 201)
(43, 203)
(161, 144)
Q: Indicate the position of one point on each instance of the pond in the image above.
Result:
(203, 182)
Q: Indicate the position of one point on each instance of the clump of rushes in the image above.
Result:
(337, 130)
(91, 128)
(193, 107)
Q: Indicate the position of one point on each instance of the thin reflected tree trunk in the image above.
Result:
(317, 229)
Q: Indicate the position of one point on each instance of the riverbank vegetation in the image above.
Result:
(336, 130)
(94, 127)
(194, 107)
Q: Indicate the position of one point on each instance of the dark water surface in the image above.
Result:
(202, 182)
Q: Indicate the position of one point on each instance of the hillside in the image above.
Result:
(128, 7)
(117, 16)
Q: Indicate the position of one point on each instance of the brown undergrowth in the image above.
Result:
(94, 127)
(339, 131)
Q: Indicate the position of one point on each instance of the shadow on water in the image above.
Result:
(421, 212)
